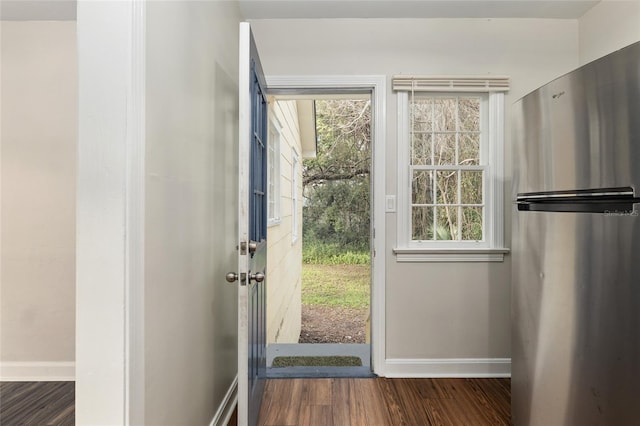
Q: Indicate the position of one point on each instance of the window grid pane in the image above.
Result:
(471, 225)
(422, 223)
(421, 148)
(422, 187)
(469, 149)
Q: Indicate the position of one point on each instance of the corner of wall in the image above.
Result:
(608, 26)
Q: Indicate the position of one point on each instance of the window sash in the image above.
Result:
(273, 171)
(482, 132)
(295, 171)
(458, 205)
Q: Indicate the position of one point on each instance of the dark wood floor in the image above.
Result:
(338, 402)
(37, 403)
(370, 402)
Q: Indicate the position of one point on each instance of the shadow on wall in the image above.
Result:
(224, 157)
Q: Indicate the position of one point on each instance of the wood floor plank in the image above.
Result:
(486, 402)
(438, 412)
(391, 399)
(374, 402)
(283, 406)
(434, 388)
(340, 401)
(447, 412)
(314, 415)
(347, 409)
(316, 392)
(348, 405)
(409, 406)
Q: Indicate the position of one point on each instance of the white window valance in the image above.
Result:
(416, 83)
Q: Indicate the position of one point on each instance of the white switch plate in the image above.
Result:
(391, 204)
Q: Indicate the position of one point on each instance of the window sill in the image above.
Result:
(273, 222)
(450, 255)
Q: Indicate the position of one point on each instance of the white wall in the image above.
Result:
(609, 26)
(284, 257)
(434, 310)
(191, 199)
(39, 139)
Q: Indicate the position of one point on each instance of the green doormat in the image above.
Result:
(317, 361)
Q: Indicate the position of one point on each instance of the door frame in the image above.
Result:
(376, 84)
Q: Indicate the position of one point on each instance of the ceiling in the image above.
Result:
(272, 9)
(57, 10)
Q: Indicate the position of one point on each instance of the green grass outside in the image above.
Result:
(317, 253)
(346, 286)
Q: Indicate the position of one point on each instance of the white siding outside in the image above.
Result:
(284, 257)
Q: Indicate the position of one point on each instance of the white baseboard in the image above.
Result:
(37, 371)
(448, 367)
(228, 404)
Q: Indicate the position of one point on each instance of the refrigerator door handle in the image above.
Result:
(614, 201)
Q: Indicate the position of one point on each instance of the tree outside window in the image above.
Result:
(447, 167)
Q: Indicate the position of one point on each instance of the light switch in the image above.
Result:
(391, 204)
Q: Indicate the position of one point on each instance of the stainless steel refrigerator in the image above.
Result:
(576, 248)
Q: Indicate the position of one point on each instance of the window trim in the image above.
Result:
(275, 128)
(492, 248)
(295, 171)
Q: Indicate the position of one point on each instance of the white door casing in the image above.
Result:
(376, 85)
(110, 363)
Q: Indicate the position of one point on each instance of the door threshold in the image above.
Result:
(319, 372)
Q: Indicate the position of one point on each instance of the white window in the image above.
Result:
(273, 172)
(450, 196)
(295, 179)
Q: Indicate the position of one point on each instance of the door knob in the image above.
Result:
(233, 277)
(257, 277)
(252, 246)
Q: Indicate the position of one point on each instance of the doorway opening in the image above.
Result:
(319, 213)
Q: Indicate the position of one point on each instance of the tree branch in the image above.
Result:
(321, 176)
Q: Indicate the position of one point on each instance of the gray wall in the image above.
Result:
(38, 136)
(609, 26)
(190, 205)
(433, 310)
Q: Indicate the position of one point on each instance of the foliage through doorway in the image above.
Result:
(336, 225)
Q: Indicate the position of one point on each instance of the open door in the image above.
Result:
(252, 227)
